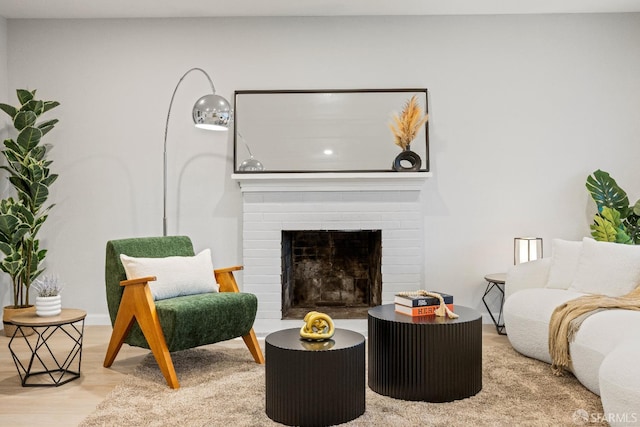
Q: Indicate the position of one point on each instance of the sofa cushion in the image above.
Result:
(611, 269)
(620, 383)
(195, 320)
(175, 275)
(598, 336)
(564, 263)
(526, 316)
(532, 274)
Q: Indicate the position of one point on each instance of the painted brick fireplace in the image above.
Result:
(273, 203)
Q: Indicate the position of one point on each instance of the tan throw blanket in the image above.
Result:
(567, 318)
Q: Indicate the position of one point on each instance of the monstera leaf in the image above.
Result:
(606, 192)
(608, 227)
(602, 230)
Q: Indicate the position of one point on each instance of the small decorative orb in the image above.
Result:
(251, 165)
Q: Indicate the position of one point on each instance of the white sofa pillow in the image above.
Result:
(564, 263)
(175, 276)
(611, 269)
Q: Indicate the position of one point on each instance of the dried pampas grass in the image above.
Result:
(406, 126)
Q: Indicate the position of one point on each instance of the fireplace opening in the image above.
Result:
(336, 272)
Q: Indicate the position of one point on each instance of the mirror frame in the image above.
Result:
(237, 116)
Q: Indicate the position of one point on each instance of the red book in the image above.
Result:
(419, 311)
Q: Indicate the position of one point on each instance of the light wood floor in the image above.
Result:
(70, 403)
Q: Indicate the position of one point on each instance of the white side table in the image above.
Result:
(496, 281)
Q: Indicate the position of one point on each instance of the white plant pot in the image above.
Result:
(48, 306)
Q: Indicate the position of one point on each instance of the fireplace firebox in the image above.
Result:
(336, 272)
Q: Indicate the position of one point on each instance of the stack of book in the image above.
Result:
(421, 305)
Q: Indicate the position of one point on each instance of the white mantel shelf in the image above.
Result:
(331, 181)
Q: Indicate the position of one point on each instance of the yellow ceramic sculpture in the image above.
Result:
(317, 327)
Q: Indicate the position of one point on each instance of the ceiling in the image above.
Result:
(211, 8)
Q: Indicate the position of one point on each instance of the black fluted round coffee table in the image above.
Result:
(314, 383)
(429, 358)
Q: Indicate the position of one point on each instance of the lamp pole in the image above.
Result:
(210, 112)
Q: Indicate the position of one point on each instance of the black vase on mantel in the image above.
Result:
(414, 160)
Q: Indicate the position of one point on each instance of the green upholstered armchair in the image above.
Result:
(176, 323)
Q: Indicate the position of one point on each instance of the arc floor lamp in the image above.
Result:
(210, 112)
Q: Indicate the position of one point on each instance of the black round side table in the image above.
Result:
(428, 358)
(314, 383)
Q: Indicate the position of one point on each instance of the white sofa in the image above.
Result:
(605, 352)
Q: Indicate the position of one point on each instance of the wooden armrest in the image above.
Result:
(138, 280)
(224, 277)
(228, 269)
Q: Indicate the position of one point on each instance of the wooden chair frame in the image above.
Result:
(137, 304)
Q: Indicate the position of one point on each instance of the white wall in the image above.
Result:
(522, 108)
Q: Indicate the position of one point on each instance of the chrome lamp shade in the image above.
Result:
(212, 112)
(526, 249)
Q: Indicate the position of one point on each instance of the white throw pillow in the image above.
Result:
(175, 275)
(564, 263)
(611, 269)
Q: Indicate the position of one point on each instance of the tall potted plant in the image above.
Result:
(22, 217)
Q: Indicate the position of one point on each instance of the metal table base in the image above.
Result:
(56, 364)
(495, 281)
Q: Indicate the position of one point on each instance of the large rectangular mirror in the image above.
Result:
(322, 130)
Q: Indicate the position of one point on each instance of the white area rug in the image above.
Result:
(224, 387)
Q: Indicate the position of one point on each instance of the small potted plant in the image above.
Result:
(48, 301)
